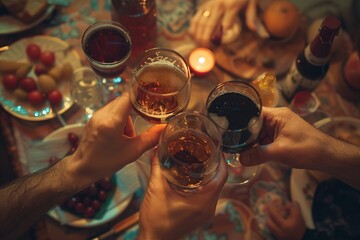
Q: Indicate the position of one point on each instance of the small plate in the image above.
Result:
(11, 25)
(17, 52)
(73, 220)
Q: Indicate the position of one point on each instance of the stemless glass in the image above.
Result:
(160, 86)
(107, 46)
(235, 106)
(87, 91)
(189, 151)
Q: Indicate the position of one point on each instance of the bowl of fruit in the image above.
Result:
(35, 75)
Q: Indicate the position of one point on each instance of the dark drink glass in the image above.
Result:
(107, 46)
(189, 151)
(235, 106)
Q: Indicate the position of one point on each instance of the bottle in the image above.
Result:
(312, 63)
(139, 18)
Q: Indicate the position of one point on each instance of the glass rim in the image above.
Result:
(193, 113)
(111, 24)
(187, 72)
(229, 83)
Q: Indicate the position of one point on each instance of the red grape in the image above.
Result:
(10, 81)
(89, 212)
(28, 84)
(96, 204)
(102, 195)
(80, 207)
(35, 98)
(55, 97)
(33, 51)
(73, 139)
(40, 69)
(47, 58)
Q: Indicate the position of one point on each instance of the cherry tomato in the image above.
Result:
(47, 58)
(54, 97)
(28, 84)
(40, 69)
(10, 81)
(33, 51)
(35, 98)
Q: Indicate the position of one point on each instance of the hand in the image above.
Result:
(285, 221)
(286, 138)
(211, 15)
(166, 213)
(109, 143)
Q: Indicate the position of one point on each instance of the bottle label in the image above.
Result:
(295, 82)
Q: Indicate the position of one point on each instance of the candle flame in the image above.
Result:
(202, 60)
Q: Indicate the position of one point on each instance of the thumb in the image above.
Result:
(256, 155)
(149, 138)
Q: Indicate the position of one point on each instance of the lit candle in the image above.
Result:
(201, 61)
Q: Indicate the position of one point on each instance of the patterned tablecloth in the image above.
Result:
(240, 213)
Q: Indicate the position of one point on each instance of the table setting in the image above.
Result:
(74, 57)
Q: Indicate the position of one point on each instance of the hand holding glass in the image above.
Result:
(235, 106)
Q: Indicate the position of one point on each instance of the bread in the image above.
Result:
(32, 10)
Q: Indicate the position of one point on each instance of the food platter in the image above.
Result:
(11, 25)
(17, 52)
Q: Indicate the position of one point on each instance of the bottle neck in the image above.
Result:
(312, 58)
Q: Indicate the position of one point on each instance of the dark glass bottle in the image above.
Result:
(312, 63)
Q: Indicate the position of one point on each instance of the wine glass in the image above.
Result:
(189, 151)
(160, 85)
(107, 46)
(87, 91)
(159, 89)
(236, 108)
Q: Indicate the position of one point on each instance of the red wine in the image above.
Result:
(107, 47)
(239, 110)
(159, 94)
(187, 158)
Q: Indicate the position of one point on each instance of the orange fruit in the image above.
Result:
(281, 18)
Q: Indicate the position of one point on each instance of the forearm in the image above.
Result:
(342, 161)
(26, 199)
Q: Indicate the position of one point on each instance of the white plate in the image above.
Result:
(71, 219)
(10, 24)
(17, 52)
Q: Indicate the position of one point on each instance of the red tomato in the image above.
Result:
(10, 81)
(35, 98)
(28, 84)
(33, 51)
(40, 69)
(54, 97)
(47, 58)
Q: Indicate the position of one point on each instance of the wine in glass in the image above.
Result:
(189, 151)
(107, 46)
(160, 86)
(235, 106)
(87, 91)
(159, 89)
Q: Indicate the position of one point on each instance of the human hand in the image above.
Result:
(109, 143)
(285, 221)
(287, 138)
(167, 213)
(211, 15)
